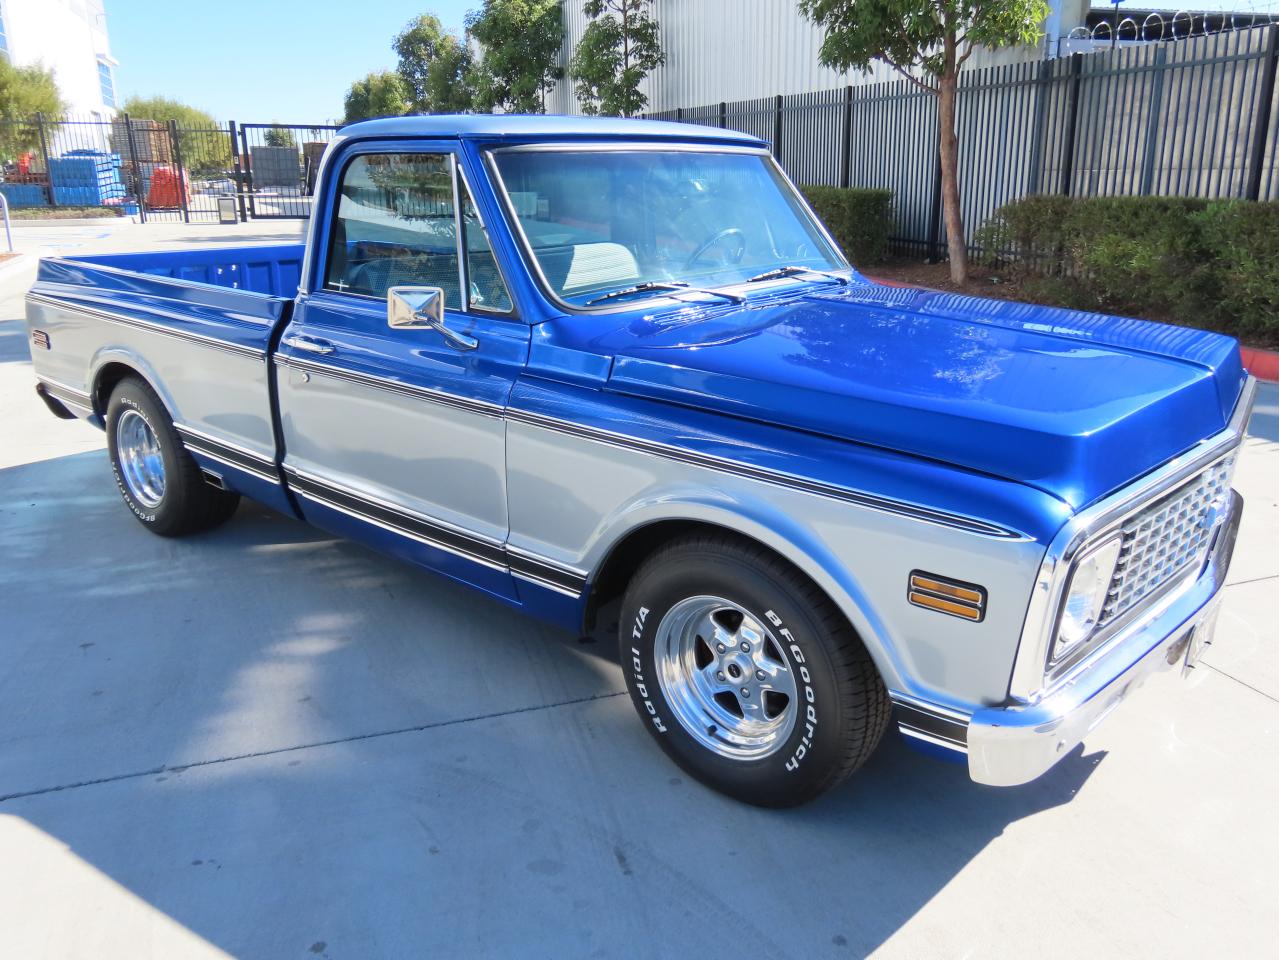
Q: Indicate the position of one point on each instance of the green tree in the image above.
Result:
(24, 92)
(164, 109)
(617, 50)
(448, 81)
(205, 143)
(435, 66)
(278, 136)
(377, 95)
(521, 42)
(928, 42)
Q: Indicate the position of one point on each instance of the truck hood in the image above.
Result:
(1072, 403)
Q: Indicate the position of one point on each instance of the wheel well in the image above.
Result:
(107, 380)
(625, 557)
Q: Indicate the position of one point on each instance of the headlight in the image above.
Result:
(1086, 596)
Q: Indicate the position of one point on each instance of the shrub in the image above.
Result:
(858, 219)
(1245, 240)
(66, 213)
(1208, 263)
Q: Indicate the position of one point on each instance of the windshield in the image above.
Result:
(604, 221)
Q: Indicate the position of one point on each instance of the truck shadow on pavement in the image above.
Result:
(293, 746)
(13, 341)
(1265, 415)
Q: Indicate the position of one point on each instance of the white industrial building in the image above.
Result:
(70, 37)
(725, 50)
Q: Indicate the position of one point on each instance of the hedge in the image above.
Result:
(1207, 263)
(858, 219)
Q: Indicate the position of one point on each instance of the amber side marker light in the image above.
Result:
(932, 592)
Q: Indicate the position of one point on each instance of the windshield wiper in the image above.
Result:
(794, 271)
(674, 287)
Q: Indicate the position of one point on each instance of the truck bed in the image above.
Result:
(198, 323)
(272, 269)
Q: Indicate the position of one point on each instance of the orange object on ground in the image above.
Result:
(165, 191)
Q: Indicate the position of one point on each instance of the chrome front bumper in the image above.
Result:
(1012, 745)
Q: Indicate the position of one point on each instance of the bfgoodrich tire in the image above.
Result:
(157, 477)
(746, 673)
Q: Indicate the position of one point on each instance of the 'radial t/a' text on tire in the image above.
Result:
(746, 673)
(159, 480)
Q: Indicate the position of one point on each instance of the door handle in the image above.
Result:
(309, 344)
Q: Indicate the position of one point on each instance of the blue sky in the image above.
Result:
(260, 60)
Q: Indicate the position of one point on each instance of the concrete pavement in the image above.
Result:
(263, 742)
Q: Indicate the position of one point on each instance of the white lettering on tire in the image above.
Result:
(810, 714)
(119, 480)
(637, 670)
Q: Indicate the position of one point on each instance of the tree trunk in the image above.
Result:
(626, 47)
(949, 147)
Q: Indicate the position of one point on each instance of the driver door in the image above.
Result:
(396, 435)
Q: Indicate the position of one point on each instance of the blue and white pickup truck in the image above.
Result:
(618, 375)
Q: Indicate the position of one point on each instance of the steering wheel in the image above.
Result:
(735, 254)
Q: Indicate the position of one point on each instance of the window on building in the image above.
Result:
(4, 36)
(107, 80)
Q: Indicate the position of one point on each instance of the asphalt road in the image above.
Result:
(268, 743)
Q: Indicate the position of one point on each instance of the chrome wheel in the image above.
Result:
(725, 677)
(141, 463)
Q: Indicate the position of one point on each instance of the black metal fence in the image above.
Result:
(277, 169)
(1187, 116)
(161, 170)
(1190, 116)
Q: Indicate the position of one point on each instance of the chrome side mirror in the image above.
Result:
(422, 308)
(409, 308)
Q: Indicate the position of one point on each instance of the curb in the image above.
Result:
(1262, 364)
(14, 264)
(70, 222)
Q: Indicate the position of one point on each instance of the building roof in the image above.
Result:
(525, 127)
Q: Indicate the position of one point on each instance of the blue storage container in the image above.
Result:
(24, 194)
(85, 178)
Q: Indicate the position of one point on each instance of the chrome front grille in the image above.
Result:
(1168, 538)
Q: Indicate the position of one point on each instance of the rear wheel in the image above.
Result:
(746, 673)
(159, 480)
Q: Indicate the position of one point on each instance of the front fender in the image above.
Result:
(757, 519)
(585, 472)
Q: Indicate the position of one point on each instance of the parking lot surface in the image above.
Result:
(264, 742)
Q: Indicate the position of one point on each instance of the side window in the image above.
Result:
(395, 225)
(488, 289)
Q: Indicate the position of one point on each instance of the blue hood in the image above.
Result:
(1072, 403)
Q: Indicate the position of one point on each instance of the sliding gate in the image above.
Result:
(276, 168)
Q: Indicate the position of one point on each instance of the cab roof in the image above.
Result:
(526, 128)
